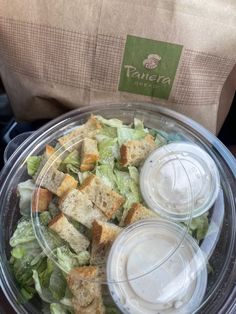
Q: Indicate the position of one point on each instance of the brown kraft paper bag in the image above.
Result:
(59, 55)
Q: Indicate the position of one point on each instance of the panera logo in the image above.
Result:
(131, 72)
(149, 67)
(151, 62)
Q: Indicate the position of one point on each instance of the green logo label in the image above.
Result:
(149, 67)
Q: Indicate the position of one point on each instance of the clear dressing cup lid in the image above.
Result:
(167, 175)
(177, 285)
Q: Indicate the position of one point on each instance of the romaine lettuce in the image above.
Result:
(83, 175)
(71, 163)
(128, 186)
(115, 123)
(33, 163)
(127, 134)
(106, 132)
(25, 190)
(199, 227)
(105, 172)
(108, 151)
(50, 284)
(138, 124)
(68, 260)
(57, 308)
(23, 233)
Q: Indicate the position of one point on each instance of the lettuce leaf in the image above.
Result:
(50, 284)
(105, 172)
(199, 227)
(71, 163)
(45, 218)
(112, 310)
(134, 174)
(32, 163)
(106, 132)
(53, 208)
(138, 124)
(128, 134)
(44, 293)
(33, 271)
(25, 190)
(108, 151)
(51, 238)
(23, 233)
(83, 175)
(27, 293)
(115, 123)
(68, 260)
(128, 186)
(57, 284)
(30, 258)
(57, 308)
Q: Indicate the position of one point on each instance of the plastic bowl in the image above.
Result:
(219, 244)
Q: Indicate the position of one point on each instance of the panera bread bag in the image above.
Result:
(59, 55)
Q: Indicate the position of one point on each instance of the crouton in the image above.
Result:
(49, 157)
(104, 232)
(57, 182)
(41, 199)
(103, 235)
(89, 154)
(134, 153)
(107, 200)
(84, 284)
(76, 205)
(66, 185)
(89, 129)
(49, 160)
(96, 307)
(138, 212)
(69, 233)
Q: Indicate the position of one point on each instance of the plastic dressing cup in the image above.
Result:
(176, 285)
(170, 171)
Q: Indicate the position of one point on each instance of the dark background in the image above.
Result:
(9, 129)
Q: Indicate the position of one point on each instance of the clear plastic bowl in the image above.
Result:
(219, 244)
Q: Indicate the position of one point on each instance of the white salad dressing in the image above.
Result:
(179, 178)
(155, 267)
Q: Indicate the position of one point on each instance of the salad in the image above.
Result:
(80, 194)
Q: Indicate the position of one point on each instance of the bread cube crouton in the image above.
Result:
(134, 153)
(77, 241)
(49, 160)
(96, 307)
(76, 205)
(103, 235)
(104, 232)
(138, 212)
(84, 285)
(66, 185)
(57, 182)
(107, 200)
(89, 154)
(41, 199)
(89, 129)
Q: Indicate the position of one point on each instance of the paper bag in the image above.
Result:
(60, 55)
